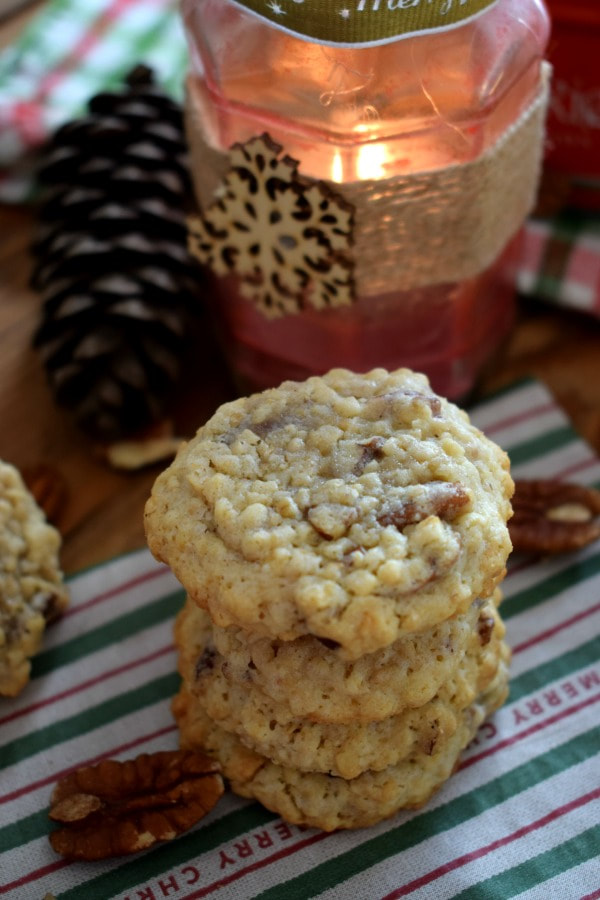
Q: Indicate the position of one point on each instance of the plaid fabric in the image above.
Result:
(42, 86)
(560, 262)
(520, 817)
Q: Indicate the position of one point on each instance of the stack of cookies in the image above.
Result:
(341, 542)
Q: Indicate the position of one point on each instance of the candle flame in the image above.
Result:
(371, 161)
(337, 169)
(368, 161)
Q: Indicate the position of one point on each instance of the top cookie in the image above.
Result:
(357, 508)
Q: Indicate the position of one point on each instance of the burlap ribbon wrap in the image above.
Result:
(435, 227)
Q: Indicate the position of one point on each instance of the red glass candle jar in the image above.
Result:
(411, 160)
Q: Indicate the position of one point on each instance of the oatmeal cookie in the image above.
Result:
(306, 679)
(310, 680)
(313, 681)
(31, 586)
(344, 750)
(357, 508)
(347, 749)
(319, 800)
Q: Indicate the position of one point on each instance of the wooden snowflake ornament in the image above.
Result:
(286, 238)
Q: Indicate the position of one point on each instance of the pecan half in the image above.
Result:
(553, 517)
(444, 499)
(117, 808)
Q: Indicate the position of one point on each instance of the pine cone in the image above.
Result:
(111, 260)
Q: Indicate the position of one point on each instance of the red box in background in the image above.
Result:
(574, 118)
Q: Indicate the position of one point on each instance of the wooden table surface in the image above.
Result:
(102, 514)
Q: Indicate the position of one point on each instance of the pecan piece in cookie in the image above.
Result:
(553, 517)
(485, 627)
(206, 661)
(117, 808)
(445, 500)
(371, 450)
(433, 402)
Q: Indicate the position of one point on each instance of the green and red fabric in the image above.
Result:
(560, 261)
(70, 51)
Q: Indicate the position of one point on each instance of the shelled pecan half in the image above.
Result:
(553, 516)
(116, 808)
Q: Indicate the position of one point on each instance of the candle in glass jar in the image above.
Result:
(418, 137)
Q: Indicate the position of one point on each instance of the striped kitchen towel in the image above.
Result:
(520, 817)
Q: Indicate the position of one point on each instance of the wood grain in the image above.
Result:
(561, 348)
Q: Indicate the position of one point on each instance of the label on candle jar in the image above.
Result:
(360, 23)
